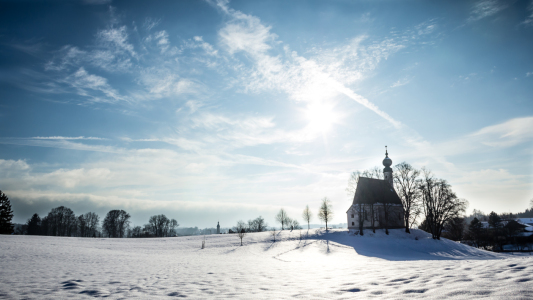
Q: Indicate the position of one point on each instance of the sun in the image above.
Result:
(321, 117)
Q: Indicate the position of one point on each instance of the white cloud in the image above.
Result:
(82, 81)
(246, 33)
(60, 143)
(400, 82)
(485, 8)
(150, 23)
(303, 79)
(116, 39)
(9, 166)
(66, 138)
(507, 134)
(67, 56)
(162, 40)
(200, 43)
(164, 83)
(529, 20)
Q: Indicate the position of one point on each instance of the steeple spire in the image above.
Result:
(387, 171)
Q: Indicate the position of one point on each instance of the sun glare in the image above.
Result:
(321, 117)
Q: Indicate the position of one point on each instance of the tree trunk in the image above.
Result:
(372, 218)
(386, 214)
(406, 221)
(360, 214)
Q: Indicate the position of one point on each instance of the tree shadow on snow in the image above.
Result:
(401, 246)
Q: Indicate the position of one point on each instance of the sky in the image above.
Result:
(211, 111)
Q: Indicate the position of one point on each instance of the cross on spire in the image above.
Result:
(386, 153)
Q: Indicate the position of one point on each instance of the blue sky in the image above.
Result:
(208, 111)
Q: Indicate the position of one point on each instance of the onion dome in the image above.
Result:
(387, 162)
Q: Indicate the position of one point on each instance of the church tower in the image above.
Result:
(218, 227)
(387, 171)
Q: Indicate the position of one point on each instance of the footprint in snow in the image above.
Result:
(71, 284)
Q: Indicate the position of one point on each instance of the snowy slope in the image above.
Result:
(319, 266)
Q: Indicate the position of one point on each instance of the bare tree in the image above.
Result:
(440, 203)
(359, 209)
(273, 233)
(88, 224)
(257, 225)
(116, 223)
(158, 225)
(406, 184)
(60, 221)
(136, 232)
(373, 217)
(325, 213)
(82, 226)
(282, 218)
(172, 227)
(288, 223)
(161, 226)
(295, 224)
(307, 215)
(93, 222)
(240, 229)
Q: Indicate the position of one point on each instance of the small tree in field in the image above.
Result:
(282, 218)
(307, 215)
(325, 213)
(240, 229)
(273, 233)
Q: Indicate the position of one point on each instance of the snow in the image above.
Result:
(333, 265)
(525, 221)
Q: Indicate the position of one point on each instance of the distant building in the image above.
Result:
(218, 227)
(525, 221)
(376, 200)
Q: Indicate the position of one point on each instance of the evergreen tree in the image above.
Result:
(34, 225)
(475, 230)
(495, 221)
(6, 215)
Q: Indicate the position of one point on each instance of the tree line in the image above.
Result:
(61, 221)
(490, 232)
(325, 213)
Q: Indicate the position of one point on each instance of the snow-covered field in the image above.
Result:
(320, 266)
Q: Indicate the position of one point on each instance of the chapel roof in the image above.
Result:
(370, 190)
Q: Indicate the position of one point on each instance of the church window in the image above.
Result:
(352, 223)
(352, 216)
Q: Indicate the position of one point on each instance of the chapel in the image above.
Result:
(375, 203)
